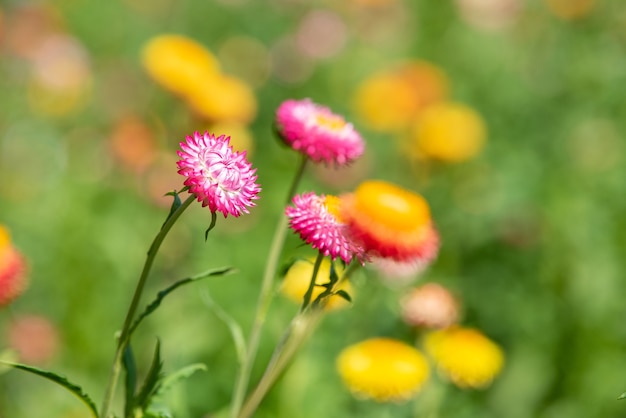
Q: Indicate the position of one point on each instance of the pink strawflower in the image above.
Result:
(35, 339)
(315, 218)
(430, 306)
(318, 133)
(221, 178)
(399, 272)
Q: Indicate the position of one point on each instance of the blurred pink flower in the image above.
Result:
(430, 306)
(221, 178)
(315, 218)
(35, 339)
(318, 133)
(401, 272)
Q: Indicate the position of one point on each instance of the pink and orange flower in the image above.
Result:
(393, 225)
(316, 219)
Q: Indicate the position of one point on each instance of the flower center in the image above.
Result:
(332, 206)
(392, 206)
(224, 172)
(332, 122)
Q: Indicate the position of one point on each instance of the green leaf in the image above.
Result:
(173, 378)
(60, 380)
(156, 409)
(152, 382)
(161, 295)
(343, 294)
(175, 204)
(211, 225)
(7, 357)
(622, 396)
(128, 361)
(234, 328)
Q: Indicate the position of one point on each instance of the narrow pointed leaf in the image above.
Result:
(60, 380)
(173, 378)
(343, 294)
(152, 382)
(211, 225)
(161, 295)
(622, 396)
(128, 361)
(235, 330)
(175, 204)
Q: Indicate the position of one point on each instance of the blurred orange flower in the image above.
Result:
(13, 269)
(390, 99)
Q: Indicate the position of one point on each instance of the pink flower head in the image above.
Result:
(430, 306)
(318, 133)
(221, 178)
(315, 218)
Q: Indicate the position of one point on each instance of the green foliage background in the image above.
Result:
(533, 231)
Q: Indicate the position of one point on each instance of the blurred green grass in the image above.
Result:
(533, 231)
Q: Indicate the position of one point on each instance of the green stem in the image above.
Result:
(125, 335)
(300, 328)
(309, 291)
(264, 300)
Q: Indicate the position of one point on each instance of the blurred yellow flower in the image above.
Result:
(241, 138)
(383, 369)
(298, 277)
(223, 98)
(178, 63)
(450, 132)
(466, 356)
(571, 9)
(390, 99)
(186, 68)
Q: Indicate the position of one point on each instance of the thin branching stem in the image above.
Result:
(132, 309)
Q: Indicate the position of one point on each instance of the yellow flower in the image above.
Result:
(449, 132)
(178, 63)
(389, 100)
(571, 9)
(219, 97)
(298, 277)
(383, 369)
(466, 356)
(241, 138)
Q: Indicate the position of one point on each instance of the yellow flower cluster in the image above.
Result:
(410, 100)
(388, 370)
(187, 69)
